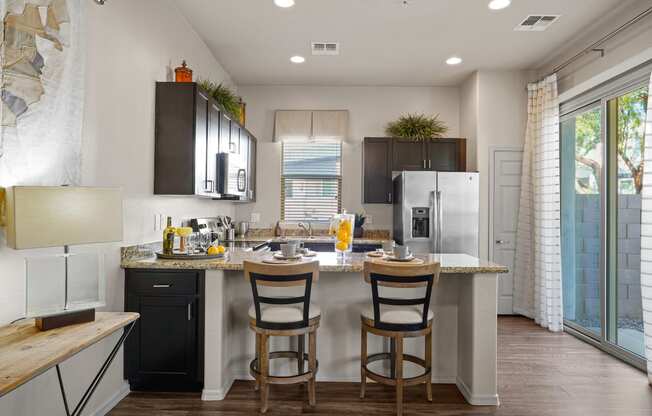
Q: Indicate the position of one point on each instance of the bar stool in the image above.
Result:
(399, 318)
(283, 316)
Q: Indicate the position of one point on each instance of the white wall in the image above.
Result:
(370, 110)
(469, 108)
(131, 44)
(493, 114)
(621, 48)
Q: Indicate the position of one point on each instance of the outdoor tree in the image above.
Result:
(631, 116)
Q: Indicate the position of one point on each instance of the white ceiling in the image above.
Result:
(382, 42)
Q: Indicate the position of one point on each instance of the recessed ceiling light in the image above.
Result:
(499, 4)
(284, 3)
(454, 60)
(297, 59)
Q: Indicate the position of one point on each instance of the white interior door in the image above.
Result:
(506, 195)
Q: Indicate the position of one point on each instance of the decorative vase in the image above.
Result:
(358, 232)
(183, 73)
(342, 227)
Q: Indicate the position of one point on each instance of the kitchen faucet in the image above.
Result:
(307, 229)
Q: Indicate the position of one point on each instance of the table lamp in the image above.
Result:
(52, 216)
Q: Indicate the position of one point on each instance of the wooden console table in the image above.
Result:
(26, 352)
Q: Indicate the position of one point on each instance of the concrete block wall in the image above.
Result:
(587, 256)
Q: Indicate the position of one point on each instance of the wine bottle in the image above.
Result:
(168, 237)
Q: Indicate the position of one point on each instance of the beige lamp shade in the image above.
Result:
(50, 216)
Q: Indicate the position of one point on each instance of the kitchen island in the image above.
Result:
(464, 329)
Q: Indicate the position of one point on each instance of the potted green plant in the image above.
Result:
(358, 222)
(226, 98)
(417, 127)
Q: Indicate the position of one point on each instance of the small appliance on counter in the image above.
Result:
(221, 229)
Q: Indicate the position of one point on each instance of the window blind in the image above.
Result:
(311, 181)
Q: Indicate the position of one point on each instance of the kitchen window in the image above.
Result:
(311, 181)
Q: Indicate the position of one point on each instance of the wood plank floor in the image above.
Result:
(539, 374)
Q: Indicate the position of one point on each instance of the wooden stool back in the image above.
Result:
(401, 276)
(281, 275)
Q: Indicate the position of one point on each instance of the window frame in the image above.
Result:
(284, 177)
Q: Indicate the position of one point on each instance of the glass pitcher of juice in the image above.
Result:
(341, 227)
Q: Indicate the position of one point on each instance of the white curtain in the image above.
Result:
(646, 237)
(537, 271)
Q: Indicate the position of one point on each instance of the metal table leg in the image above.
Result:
(98, 377)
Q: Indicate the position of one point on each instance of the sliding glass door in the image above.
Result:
(602, 166)
(626, 121)
(582, 190)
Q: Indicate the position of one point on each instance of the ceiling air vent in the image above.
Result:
(325, 48)
(537, 22)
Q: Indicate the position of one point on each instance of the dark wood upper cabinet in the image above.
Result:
(408, 155)
(446, 155)
(181, 128)
(190, 130)
(377, 155)
(384, 155)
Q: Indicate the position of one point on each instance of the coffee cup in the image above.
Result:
(388, 246)
(289, 250)
(401, 252)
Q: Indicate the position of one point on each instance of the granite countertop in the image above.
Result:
(328, 262)
(315, 239)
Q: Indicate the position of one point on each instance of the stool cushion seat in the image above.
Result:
(284, 313)
(392, 314)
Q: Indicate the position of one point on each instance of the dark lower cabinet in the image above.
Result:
(165, 351)
(330, 247)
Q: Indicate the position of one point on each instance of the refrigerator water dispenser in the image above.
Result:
(420, 222)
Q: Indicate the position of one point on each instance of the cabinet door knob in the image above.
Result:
(502, 242)
(161, 286)
(190, 311)
(429, 163)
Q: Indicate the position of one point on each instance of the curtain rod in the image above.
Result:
(594, 47)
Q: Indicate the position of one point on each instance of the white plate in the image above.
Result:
(280, 256)
(408, 258)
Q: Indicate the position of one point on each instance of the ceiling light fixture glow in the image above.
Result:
(499, 4)
(284, 3)
(454, 60)
(297, 59)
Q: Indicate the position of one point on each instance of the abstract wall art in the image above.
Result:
(41, 91)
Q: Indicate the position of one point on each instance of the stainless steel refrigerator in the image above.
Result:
(437, 212)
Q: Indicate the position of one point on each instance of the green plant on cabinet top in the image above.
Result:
(417, 127)
(224, 97)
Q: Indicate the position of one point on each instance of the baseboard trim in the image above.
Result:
(477, 399)
(217, 394)
(352, 379)
(112, 401)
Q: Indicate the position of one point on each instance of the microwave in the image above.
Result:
(231, 176)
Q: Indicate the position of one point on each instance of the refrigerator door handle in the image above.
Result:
(440, 214)
(433, 221)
